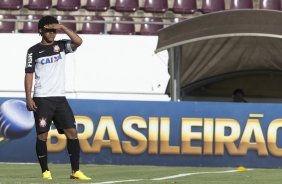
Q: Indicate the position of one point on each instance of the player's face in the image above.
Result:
(49, 35)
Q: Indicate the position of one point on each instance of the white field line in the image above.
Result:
(170, 177)
(121, 181)
(196, 173)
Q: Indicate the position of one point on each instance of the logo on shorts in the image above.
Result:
(42, 122)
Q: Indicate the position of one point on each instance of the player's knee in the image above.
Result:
(71, 133)
(42, 136)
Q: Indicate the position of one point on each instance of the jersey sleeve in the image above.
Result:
(30, 62)
(67, 46)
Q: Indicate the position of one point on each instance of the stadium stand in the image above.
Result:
(176, 20)
(93, 28)
(241, 4)
(11, 5)
(156, 6)
(126, 5)
(32, 25)
(97, 5)
(39, 5)
(209, 6)
(270, 4)
(123, 28)
(151, 29)
(68, 5)
(138, 10)
(7, 26)
(184, 6)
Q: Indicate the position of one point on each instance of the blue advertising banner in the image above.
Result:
(153, 133)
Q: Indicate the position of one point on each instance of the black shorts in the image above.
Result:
(54, 109)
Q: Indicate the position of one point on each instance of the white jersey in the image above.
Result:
(48, 63)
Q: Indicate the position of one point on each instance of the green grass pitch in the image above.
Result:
(106, 174)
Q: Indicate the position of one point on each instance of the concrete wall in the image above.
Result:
(104, 67)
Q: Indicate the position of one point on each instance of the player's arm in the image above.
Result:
(31, 106)
(76, 41)
(28, 79)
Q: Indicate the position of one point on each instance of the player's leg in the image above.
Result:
(65, 123)
(43, 118)
(41, 151)
(73, 148)
(74, 154)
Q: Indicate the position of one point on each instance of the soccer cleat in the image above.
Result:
(79, 175)
(47, 175)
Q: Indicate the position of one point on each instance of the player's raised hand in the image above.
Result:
(54, 26)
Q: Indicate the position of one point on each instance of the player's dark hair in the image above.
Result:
(47, 20)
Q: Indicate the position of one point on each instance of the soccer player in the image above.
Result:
(47, 60)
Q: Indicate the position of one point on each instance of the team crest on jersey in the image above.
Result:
(56, 48)
(42, 122)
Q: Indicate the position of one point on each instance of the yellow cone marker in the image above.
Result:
(241, 168)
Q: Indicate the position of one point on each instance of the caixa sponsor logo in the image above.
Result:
(51, 59)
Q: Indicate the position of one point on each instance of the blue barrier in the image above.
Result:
(164, 133)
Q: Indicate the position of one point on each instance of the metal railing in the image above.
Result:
(105, 22)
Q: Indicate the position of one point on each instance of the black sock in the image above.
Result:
(41, 151)
(74, 151)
